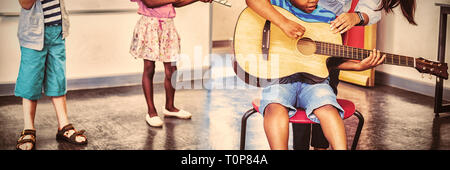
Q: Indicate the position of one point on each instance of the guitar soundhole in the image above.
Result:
(306, 46)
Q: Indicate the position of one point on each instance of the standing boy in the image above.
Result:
(43, 27)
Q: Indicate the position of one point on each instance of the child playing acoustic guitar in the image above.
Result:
(279, 102)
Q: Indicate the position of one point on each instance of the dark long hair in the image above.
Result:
(408, 8)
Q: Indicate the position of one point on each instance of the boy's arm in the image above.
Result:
(368, 63)
(265, 9)
(27, 4)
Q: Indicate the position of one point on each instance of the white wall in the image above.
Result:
(98, 44)
(224, 19)
(396, 35)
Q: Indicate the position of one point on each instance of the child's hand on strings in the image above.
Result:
(292, 29)
(344, 22)
(372, 61)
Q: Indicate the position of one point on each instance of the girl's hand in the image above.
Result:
(372, 61)
(26, 4)
(292, 29)
(344, 22)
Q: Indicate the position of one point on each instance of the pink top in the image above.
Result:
(165, 11)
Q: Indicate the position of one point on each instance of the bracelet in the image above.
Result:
(361, 17)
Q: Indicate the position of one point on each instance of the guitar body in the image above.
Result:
(284, 58)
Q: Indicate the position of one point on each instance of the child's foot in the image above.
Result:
(69, 134)
(27, 140)
(182, 114)
(154, 121)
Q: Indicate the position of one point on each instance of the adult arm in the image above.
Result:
(369, 7)
(346, 21)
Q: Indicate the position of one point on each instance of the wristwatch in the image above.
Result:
(361, 17)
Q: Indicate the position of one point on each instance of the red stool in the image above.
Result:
(300, 117)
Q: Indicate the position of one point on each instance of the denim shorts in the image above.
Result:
(44, 69)
(300, 95)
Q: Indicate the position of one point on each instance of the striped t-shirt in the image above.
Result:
(318, 15)
(52, 12)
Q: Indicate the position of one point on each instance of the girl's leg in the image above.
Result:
(147, 85)
(169, 70)
(59, 103)
(276, 126)
(332, 126)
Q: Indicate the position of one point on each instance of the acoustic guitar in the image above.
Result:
(265, 55)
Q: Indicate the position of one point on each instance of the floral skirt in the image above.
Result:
(155, 39)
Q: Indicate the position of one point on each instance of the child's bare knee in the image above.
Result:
(326, 108)
(274, 108)
(169, 71)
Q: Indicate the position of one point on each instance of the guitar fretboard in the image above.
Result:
(336, 50)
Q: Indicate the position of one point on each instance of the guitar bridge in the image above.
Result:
(266, 40)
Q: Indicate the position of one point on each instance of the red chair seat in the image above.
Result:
(300, 116)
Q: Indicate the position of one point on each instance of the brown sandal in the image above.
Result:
(32, 140)
(72, 139)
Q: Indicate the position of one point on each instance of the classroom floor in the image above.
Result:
(114, 119)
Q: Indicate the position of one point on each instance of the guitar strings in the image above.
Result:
(360, 54)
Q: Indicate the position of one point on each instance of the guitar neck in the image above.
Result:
(223, 2)
(348, 52)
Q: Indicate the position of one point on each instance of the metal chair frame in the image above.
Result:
(253, 111)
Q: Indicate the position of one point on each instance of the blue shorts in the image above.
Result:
(300, 95)
(45, 69)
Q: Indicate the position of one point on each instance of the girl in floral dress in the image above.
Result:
(155, 38)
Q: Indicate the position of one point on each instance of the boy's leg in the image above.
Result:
(59, 103)
(29, 113)
(55, 73)
(332, 126)
(321, 106)
(29, 86)
(55, 85)
(169, 69)
(277, 106)
(276, 126)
